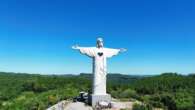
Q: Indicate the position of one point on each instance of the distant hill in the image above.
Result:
(115, 77)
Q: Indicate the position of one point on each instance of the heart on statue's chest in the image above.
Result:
(100, 54)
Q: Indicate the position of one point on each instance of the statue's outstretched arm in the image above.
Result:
(85, 50)
(112, 52)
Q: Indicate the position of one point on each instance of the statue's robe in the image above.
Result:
(99, 56)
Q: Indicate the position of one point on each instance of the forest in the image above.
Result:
(169, 91)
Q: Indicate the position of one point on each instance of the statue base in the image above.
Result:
(94, 99)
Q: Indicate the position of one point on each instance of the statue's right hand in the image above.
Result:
(75, 47)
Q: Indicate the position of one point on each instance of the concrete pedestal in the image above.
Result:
(94, 99)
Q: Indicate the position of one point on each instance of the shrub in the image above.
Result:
(127, 93)
(141, 107)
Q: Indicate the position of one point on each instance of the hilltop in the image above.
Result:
(33, 91)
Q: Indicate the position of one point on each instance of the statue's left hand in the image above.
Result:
(123, 50)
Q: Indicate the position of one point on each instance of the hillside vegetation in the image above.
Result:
(37, 92)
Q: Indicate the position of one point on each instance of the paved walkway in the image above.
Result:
(59, 106)
(78, 106)
(65, 105)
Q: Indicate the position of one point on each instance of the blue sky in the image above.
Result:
(36, 35)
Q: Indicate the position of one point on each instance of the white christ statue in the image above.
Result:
(99, 54)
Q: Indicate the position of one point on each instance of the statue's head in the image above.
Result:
(100, 43)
